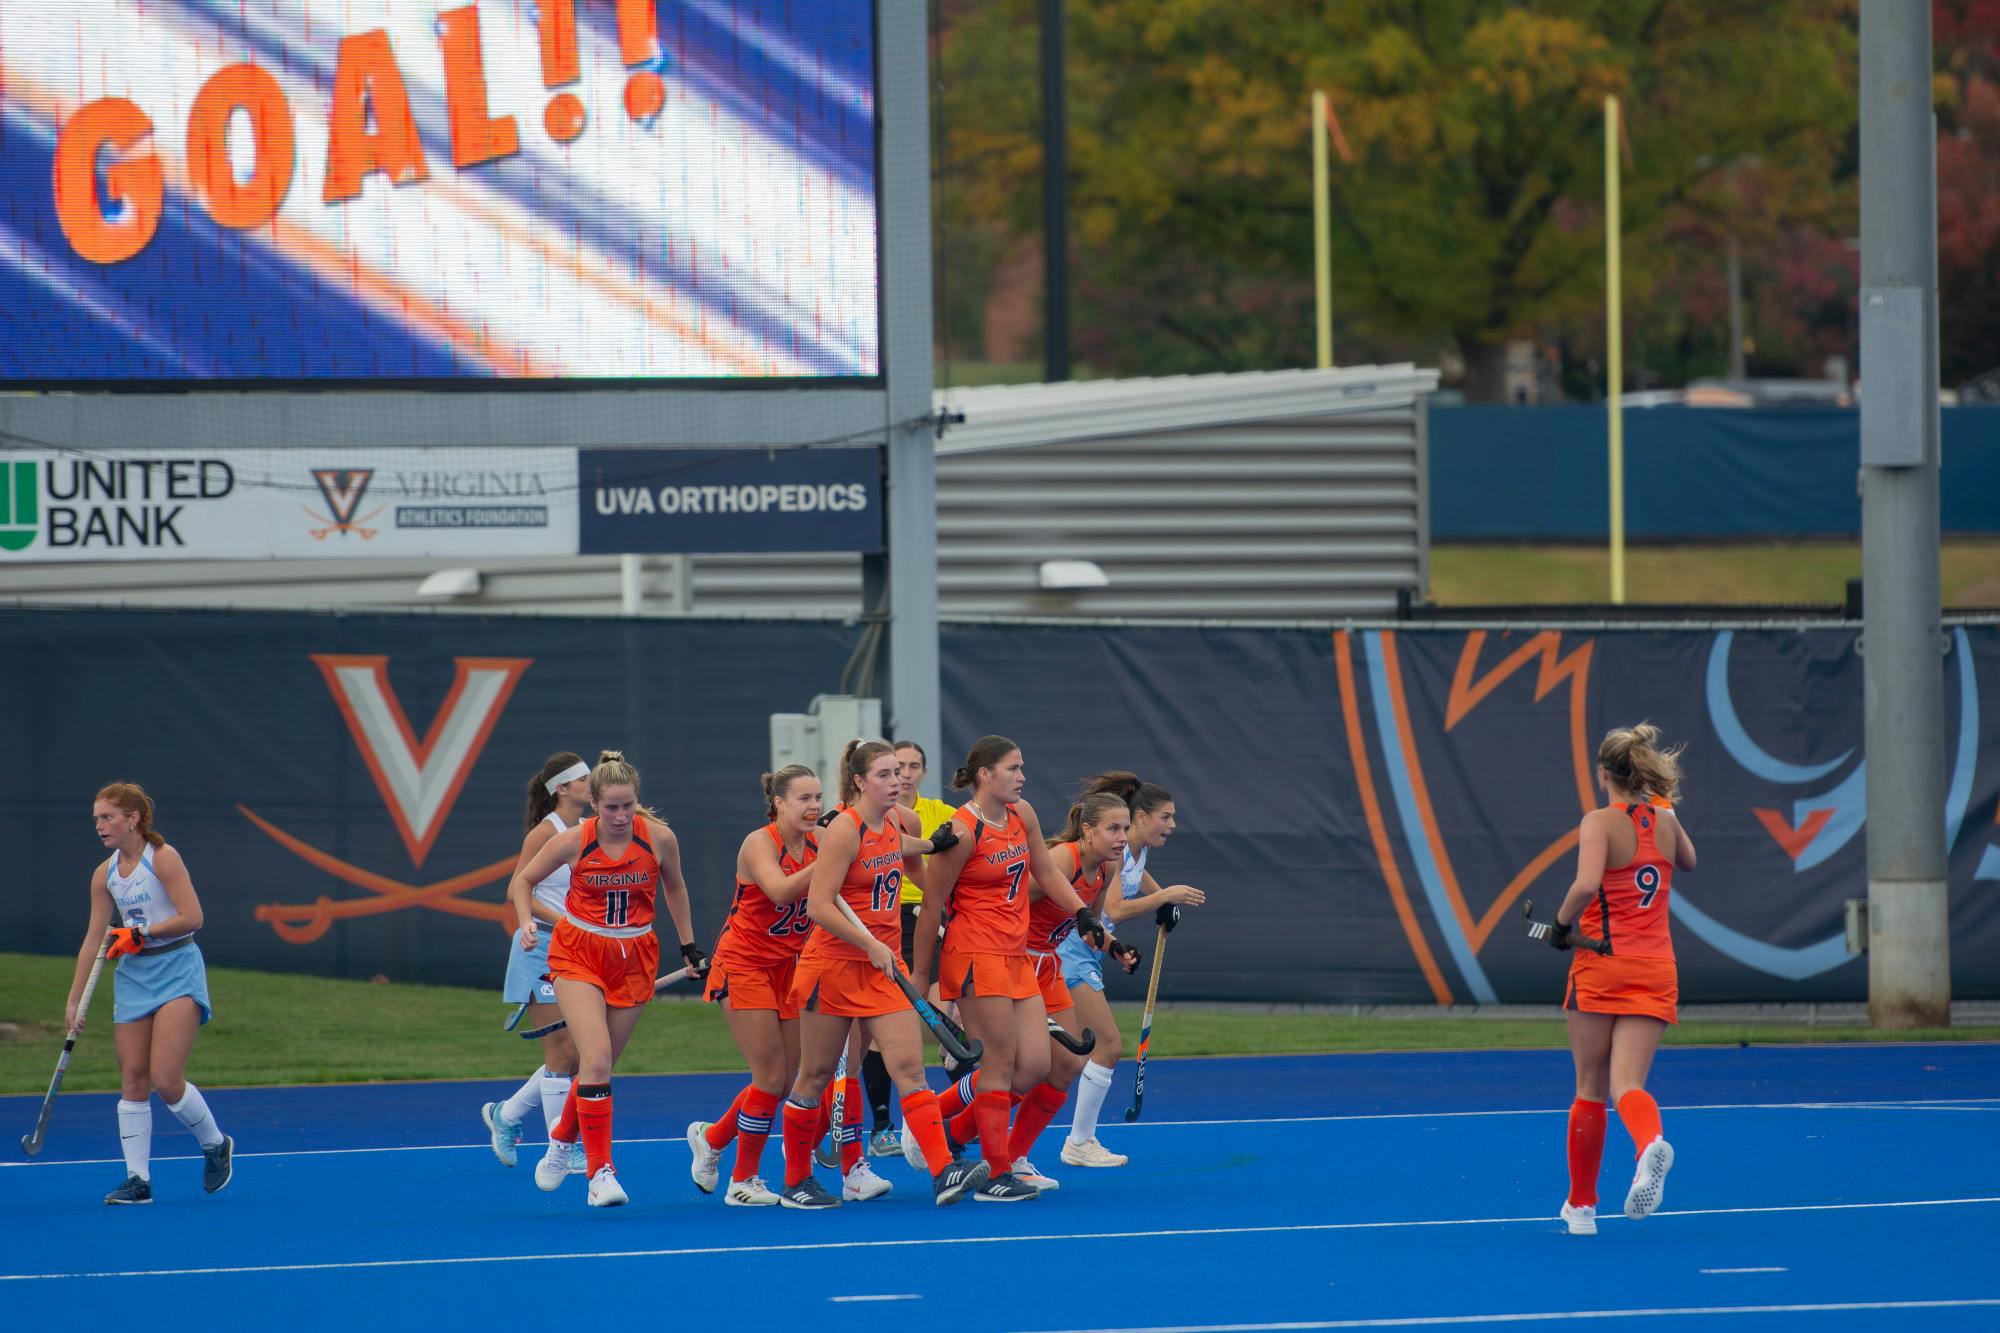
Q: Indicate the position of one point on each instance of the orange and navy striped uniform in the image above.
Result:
(758, 931)
(1630, 910)
(614, 894)
(989, 903)
(873, 887)
(1049, 924)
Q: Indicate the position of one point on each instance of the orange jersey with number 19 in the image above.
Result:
(873, 887)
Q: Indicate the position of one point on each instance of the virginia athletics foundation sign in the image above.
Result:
(638, 501)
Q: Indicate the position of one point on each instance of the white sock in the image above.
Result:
(555, 1091)
(135, 1135)
(525, 1099)
(191, 1110)
(1092, 1088)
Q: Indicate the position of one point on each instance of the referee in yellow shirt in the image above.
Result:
(912, 764)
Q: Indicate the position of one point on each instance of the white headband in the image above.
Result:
(570, 774)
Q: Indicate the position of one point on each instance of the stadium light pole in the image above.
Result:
(1614, 355)
(1909, 960)
(1055, 197)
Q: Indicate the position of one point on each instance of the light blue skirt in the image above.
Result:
(144, 982)
(525, 970)
(1081, 964)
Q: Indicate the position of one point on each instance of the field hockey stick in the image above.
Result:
(960, 1047)
(31, 1144)
(1146, 1026)
(1538, 930)
(827, 1153)
(514, 1019)
(1083, 1045)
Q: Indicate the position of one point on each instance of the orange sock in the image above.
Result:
(801, 1134)
(1641, 1115)
(955, 1100)
(753, 1126)
(853, 1140)
(724, 1128)
(565, 1127)
(1037, 1109)
(593, 1115)
(1586, 1151)
(990, 1110)
(920, 1113)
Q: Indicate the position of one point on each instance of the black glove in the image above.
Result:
(1559, 937)
(944, 837)
(826, 820)
(1088, 926)
(1168, 917)
(696, 959)
(1128, 955)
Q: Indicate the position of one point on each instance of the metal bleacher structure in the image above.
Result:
(1293, 495)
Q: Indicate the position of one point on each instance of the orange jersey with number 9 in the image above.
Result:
(873, 887)
(1630, 910)
(989, 904)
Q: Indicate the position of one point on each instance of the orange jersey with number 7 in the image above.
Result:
(989, 904)
(873, 887)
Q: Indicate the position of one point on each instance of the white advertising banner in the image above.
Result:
(264, 504)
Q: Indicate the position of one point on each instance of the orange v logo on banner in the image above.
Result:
(419, 782)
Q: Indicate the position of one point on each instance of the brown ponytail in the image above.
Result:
(1090, 811)
(1634, 760)
(985, 753)
(542, 801)
(132, 799)
(1140, 797)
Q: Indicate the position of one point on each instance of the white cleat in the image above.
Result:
(704, 1167)
(559, 1161)
(605, 1191)
(506, 1133)
(913, 1152)
(751, 1193)
(1649, 1186)
(1091, 1153)
(1024, 1171)
(862, 1184)
(1581, 1221)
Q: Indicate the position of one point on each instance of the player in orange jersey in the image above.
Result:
(980, 889)
(1620, 1002)
(751, 974)
(846, 971)
(603, 953)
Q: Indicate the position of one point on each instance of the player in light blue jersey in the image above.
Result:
(1139, 895)
(160, 991)
(558, 800)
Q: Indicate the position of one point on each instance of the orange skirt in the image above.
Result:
(986, 974)
(845, 988)
(1649, 987)
(623, 969)
(1048, 975)
(749, 986)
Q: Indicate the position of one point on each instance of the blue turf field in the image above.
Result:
(1815, 1187)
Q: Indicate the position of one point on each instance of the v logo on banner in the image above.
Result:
(420, 780)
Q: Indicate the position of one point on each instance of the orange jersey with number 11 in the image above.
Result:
(615, 894)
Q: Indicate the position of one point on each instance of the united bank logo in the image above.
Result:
(343, 489)
(419, 782)
(20, 506)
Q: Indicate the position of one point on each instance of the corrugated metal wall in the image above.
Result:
(1295, 494)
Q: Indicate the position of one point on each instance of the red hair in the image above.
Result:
(132, 799)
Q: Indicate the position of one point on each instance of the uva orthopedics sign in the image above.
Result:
(640, 501)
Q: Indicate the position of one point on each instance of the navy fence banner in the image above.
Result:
(636, 501)
(1366, 809)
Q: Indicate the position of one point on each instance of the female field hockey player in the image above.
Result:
(1153, 817)
(160, 991)
(983, 959)
(846, 973)
(750, 975)
(603, 953)
(912, 764)
(558, 799)
(1620, 1002)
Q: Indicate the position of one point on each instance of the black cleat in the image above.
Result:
(1006, 1189)
(809, 1194)
(956, 1180)
(218, 1164)
(134, 1190)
